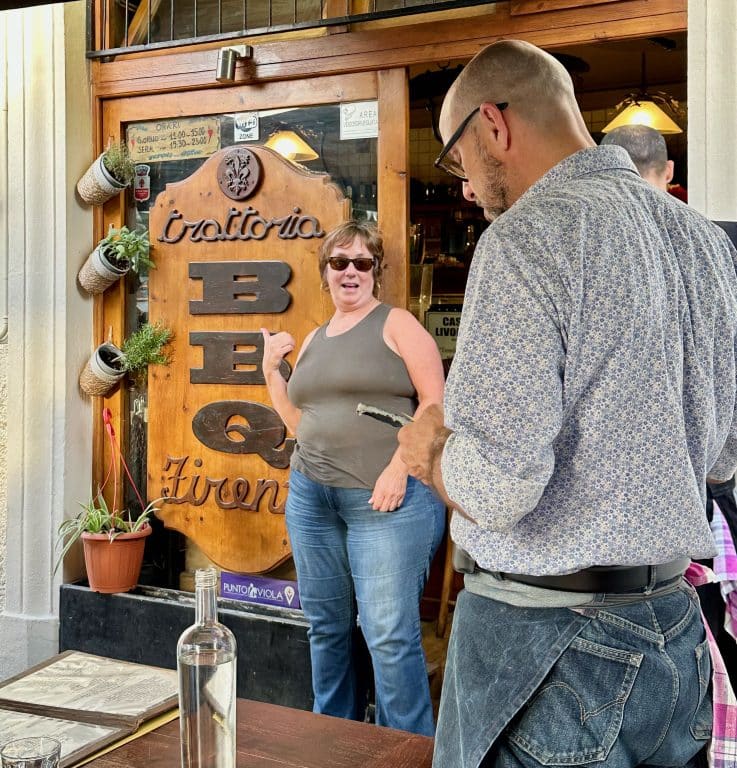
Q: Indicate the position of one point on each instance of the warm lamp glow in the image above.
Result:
(288, 144)
(644, 112)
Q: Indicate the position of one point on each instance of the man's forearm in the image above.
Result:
(438, 445)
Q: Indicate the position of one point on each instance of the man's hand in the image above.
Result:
(421, 444)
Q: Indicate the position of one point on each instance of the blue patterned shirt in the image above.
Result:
(593, 386)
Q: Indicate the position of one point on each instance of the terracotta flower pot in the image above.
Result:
(114, 566)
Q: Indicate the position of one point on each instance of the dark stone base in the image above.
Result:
(144, 626)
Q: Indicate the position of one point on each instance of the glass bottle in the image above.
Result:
(206, 663)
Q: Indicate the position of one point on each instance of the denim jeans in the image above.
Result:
(614, 686)
(346, 554)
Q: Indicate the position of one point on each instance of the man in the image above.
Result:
(592, 390)
(647, 149)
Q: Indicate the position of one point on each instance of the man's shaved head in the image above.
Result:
(532, 81)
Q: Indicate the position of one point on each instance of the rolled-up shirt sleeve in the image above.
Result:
(504, 396)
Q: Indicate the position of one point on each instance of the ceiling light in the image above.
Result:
(642, 110)
(646, 108)
(292, 146)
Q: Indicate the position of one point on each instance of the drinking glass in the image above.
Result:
(31, 752)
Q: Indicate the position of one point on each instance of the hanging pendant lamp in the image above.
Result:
(291, 145)
(645, 108)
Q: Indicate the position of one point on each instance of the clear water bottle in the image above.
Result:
(206, 661)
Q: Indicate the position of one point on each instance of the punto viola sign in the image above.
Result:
(217, 451)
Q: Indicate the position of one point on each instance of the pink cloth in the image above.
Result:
(723, 745)
(725, 568)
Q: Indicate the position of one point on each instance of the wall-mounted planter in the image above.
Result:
(97, 185)
(99, 272)
(103, 370)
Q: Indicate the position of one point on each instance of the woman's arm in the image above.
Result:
(276, 347)
(404, 335)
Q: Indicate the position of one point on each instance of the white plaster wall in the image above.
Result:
(3, 466)
(46, 441)
(712, 108)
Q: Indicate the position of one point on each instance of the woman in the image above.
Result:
(362, 531)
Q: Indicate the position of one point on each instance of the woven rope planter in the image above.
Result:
(97, 377)
(97, 186)
(98, 273)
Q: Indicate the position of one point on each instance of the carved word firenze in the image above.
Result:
(241, 494)
(247, 224)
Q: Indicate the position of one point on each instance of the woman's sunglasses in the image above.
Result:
(339, 263)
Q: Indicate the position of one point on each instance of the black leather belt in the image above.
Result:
(618, 578)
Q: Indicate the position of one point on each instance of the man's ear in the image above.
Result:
(495, 123)
(668, 171)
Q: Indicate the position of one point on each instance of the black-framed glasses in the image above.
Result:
(362, 263)
(446, 163)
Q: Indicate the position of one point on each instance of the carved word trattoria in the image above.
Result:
(246, 224)
(195, 489)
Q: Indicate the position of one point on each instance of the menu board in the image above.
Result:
(177, 139)
(85, 701)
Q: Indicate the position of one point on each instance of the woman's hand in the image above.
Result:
(276, 347)
(388, 493)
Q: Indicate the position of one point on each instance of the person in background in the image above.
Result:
(362, 531)
(649, 153)
(592, 391)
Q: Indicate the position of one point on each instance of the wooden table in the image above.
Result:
(278, 737)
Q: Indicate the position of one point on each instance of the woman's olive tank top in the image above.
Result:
(336, 446)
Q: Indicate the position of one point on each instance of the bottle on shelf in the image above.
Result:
(206, 663)
(469, 246)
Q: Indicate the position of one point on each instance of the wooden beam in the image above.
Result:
(358, 51)
(138, 29)
(521, 7)
(393, 173)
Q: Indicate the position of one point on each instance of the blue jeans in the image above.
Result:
(346, 554)
(611, 686)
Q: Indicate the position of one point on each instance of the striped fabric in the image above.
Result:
(723, 746)
(725, 568)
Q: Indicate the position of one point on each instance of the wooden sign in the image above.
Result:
(235, 247)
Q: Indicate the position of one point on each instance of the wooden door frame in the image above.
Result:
(391, 89)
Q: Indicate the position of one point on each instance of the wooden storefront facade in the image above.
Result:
(311, 74)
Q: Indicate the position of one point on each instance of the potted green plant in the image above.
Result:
(113, 539)
(108, 364)
(145, 347)
(118, 252)
(110, 173)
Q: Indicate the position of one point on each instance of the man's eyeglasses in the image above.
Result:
(448, 164)
(339, 263)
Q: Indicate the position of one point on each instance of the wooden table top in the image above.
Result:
(269, 735)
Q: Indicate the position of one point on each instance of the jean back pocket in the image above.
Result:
(576, 714)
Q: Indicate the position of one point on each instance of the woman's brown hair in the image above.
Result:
(343, 235)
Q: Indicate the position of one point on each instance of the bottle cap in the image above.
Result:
(205, 577)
